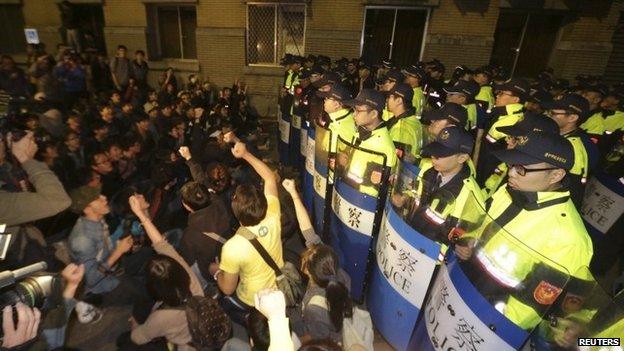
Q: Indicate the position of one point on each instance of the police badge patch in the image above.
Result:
(546, 293)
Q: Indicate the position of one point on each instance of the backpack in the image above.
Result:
(209, 325)
(357, 330)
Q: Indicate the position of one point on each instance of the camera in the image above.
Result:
(29, 285)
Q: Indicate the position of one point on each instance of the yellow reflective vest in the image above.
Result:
(550, 226)
(594, 125)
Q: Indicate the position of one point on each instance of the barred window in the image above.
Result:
(273, 30)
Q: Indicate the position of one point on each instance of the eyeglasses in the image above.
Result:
(366, 110)
(504, 93)
(551, 113)
(522, 171)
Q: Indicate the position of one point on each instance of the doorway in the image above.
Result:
(393, 32)
(524, 41)
(91, 23)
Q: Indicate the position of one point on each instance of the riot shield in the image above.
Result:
(294, 149)
(305, 125)
(583, 314)
(494, 299)
(308, 178)
(321, 174)
(603, 204)
(406, 261)
(356, 212)
(283, 120)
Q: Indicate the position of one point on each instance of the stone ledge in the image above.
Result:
(600, 46)
(220, 32)
(464, 40)
(178, 64)
(124, 30)
(332, 34)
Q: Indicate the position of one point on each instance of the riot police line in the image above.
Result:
(421, 296)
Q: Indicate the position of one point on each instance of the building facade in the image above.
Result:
(235, 39)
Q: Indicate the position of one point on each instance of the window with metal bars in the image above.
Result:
(273, 30)
(171, 31)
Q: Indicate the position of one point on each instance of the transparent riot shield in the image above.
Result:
(405, 261)
(584, 317)
(490, 295)
(360, 184)
(309, 170)
(322, 147)
(295, 138)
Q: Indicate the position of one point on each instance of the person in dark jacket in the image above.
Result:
(208, 227)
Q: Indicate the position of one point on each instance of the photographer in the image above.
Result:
(24, 335)
(49, 199)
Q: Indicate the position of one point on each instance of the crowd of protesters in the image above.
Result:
(159, 194)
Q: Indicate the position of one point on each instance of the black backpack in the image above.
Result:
(209, 325)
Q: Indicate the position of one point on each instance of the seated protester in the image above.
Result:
(161, 121)
(152, 101)
(112, 149)
(463, 93)
(267, 326)
(530, 123)
(326, 301)
(106, 114)
(167, 96)
(242, 271)
(127, 164)
(446, 187)
(246, 120)
(72, 157)
(207, 230)
(166, 208)
(405, 129)
(594, 125)
(171, 283)
(90, 244)
(103, 166)
(569, 112)
(510, 98)
(174, 135)
(216, 178)
(95, 142)
(48, 153)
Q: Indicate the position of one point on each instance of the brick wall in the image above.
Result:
(466, 39)
(585, 44)
(459, 32)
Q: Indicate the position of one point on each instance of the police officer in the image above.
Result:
(434, 88)
(535, 207)
(341, 121)
(537, 97)
(531, 122)
(365, 80)
(405, 129)
(509, 108)
(569, 112)
(415, 76)
(364, 170)
(446, 186)
(613, 110)
(451, 114)
(595, 125)
(392, 77)
(323, 84)
(463, 93)
(485, 97)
